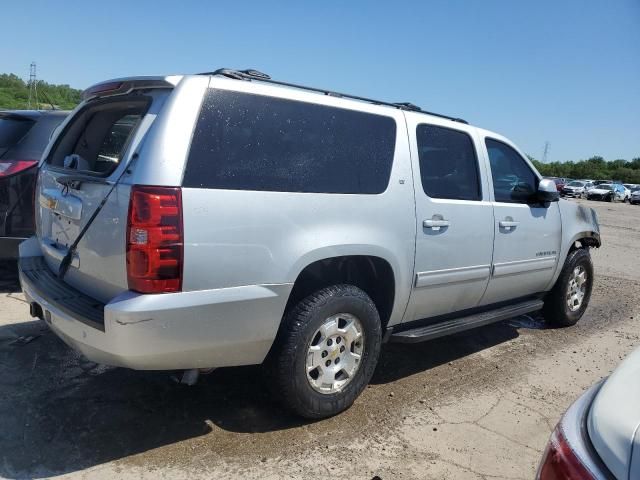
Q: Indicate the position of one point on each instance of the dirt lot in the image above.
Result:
(477, 405)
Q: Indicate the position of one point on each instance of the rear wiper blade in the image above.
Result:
(66, 261)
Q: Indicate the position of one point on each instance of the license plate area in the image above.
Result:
(63, 230)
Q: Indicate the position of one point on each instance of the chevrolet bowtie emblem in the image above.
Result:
(48, 202)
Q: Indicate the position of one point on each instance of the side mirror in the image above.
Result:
(547, 191)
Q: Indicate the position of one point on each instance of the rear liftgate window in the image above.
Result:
(97, 138)
(254, 142)
(12, 130)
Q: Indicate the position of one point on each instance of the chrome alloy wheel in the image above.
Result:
(576, 288)
(335, 353)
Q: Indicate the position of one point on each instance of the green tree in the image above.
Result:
(14, 94)
(595, 167)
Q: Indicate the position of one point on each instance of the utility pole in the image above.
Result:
(545, 154)
(33, 87)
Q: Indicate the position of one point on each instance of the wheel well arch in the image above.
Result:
(585, 240)
(374, 275)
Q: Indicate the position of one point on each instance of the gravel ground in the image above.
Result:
(477, 405)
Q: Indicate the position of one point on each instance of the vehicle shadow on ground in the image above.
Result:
(60, 413)
(399, 360)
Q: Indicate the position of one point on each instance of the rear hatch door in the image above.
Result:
(94, 147)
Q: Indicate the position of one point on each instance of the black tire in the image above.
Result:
(286, 366)
(556, 309)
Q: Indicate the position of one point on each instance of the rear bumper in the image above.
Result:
(202, 329)
(9, 247)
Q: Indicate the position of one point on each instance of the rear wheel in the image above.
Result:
(326, 351)
(567, 301)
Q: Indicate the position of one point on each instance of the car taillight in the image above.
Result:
(11, 167)
(155, 239)
(559, 461)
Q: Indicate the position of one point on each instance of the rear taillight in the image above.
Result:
(560, 462)
(11, 167)
(155, 239)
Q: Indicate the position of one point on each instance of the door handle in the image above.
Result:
(435, 223)
(508, 224)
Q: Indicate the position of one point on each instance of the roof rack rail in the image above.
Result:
(251, 74)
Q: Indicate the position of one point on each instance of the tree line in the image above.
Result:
(594, 168)
(14, 94)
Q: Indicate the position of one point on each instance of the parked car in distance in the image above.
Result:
(635, 196)
(601, 182)
(24, 134)
(560, 182)
(576, 189)
(247, 221)
(609, 192)
(599, 435)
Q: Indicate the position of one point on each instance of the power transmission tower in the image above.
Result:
(33, 86)
(545, 154)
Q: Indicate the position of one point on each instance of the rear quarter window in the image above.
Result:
(255, 142)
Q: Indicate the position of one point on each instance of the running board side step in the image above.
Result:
(448, 327)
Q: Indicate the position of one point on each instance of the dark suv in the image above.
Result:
(24, 134)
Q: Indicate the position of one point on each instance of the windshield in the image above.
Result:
(575, 184)
(605, 187)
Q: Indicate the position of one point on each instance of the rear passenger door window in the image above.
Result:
(254, 142)
(448, 163)
(513, 179)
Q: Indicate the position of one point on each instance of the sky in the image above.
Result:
(564, 72)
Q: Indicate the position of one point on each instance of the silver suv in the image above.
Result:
(222, 219)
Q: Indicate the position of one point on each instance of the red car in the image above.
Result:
(560, 182)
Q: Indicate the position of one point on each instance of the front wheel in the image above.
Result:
(567, 301)
(326, 351)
